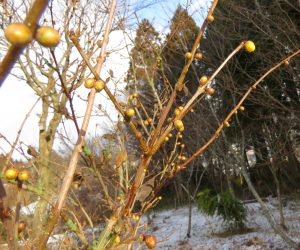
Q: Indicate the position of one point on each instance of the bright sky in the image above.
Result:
(161, 11)
(16, 98)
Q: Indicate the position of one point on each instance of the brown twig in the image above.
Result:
(135, 131)
(200, 91)
(12, 240)
(101, 181)
(66, 91)
(14, 52)
(195, 46)
(233, 111)
(5, 216)
(158, 139)
(137, 182)
(180, 82)
(67, 181)
(218, 131)
(8, 157)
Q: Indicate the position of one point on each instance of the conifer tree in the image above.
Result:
(144, 58)
(179, 41)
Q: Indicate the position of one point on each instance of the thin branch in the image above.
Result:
(200, 91)
(233, 111)
(180, 82)
(216, 134)
(67, 93)
(8, 157)
(195, 46)
(67, 181)
(135, 131)
(14, 52)
(158, 139)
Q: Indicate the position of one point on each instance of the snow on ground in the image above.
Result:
(29, 209)
(170, 228)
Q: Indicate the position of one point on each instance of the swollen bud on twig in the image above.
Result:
(199, 56)
(21, 226)
(227, 124)
(47, 36)
(23, 175)
(117, 240)
(129, 113)
(89, 83)
(176, 112)
(210, 18)
(188, 55)
(178, 124)
(130, 98)
(249, 46)
(203, 80)
(99, 85)
(18, 34)
(210, 91)
(11, 174)
(135, 217)
(150, 241)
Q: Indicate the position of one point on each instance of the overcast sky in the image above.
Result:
(16, 98)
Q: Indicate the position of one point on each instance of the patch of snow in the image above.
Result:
(170, 228)
(29, 209)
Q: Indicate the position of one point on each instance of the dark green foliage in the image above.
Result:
(142, 73)
(206, 202)
(182, 35)
(224, 204)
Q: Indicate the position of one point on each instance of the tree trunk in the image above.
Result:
(46, 140)
(40, 213)
(280, 204)
(278, 192)
(277, 228)
(188, 234)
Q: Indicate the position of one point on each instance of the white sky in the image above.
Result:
(16, 98)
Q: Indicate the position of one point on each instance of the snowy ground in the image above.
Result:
(170, 228)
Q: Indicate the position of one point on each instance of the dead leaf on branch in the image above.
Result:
(109, 136)
(123, 104)
(121, 158)
(111, 73)
(146, 189)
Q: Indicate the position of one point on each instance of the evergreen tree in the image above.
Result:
(144, 58)
(180, 39)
